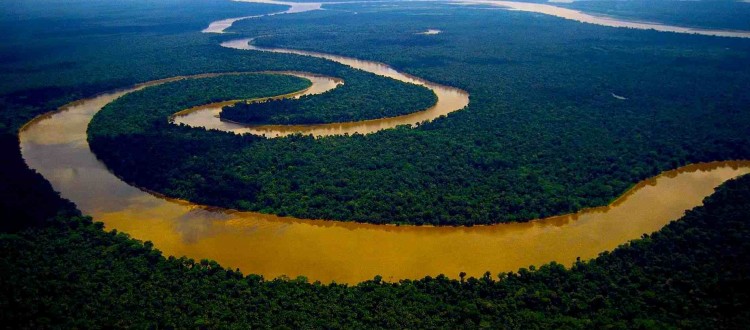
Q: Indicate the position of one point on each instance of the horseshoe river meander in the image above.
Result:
(55, 145)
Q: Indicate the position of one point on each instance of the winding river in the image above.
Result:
(449, 99)
(293, 7)
(55, 145)
(207, 116)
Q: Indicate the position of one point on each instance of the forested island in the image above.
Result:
(140, 114)
(373, 98)
(543, 135)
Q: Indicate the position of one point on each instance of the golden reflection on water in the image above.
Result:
(347, 252)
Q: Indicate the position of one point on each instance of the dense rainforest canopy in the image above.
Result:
(685, 103)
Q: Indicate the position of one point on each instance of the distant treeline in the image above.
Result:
(723, 15)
